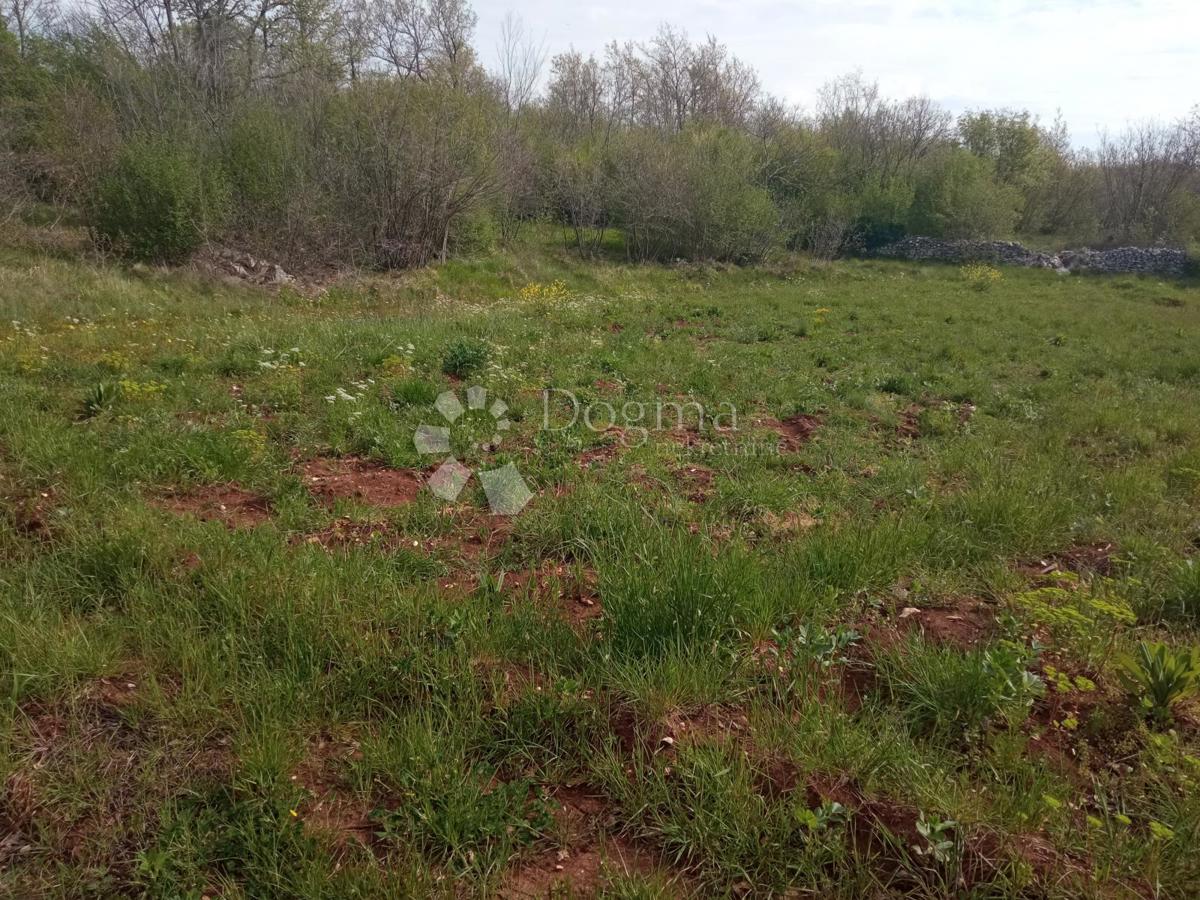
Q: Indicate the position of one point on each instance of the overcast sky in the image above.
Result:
(1103, 63)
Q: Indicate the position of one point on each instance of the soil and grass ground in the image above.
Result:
(861, 641)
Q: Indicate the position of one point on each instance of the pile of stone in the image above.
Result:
(1008, 252)
(1162, 261)
(1144, 260)
(250, 268)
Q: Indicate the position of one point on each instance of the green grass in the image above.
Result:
(191, 708)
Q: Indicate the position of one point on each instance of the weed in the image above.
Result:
(1159, 677)
(981, 276)
(100, 398)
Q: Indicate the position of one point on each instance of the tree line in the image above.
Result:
(367, 132)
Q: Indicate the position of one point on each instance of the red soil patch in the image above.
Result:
(1081, 559)
(886, 831)
(331, 807)
(1079, 730)
(788, 523)
(850, 681)
(344, 533)
(581, 871)
(615, 443)
(908, 428)
(697, 481)
(225, 503)
(965, 623)
(364, 480)
(475, 535)
(511, 678)
(33, 516)
(709, 723)
(568, 590)
(688, 437)
(793, 432)
(135, 777)
(114, 692)
(857, 680)
(588, 859)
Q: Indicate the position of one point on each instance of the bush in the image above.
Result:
(157, 203)
(957, 196)
(265, 167)
(691, 196)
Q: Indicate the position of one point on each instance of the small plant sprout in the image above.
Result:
(1159, 677)
(940, 843)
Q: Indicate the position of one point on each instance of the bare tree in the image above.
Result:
(357, 35)
(521, 58)
(28, 18)
(1142, 171)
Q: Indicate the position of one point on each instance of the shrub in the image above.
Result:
(691, 196)
(958, 197)
(264, 164)
(157, 203)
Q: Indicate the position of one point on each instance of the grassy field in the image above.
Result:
(867, 637)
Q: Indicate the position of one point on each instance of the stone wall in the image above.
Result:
(1141, 260)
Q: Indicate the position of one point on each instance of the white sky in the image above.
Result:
(1103, 63)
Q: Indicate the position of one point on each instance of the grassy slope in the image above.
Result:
(188, 704)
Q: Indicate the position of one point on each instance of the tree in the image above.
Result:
(520, 63)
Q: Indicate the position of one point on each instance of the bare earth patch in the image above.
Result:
(362, 480)
(963, 622)
(697, 480)
(580, 871)
(793, 432)
(589, 858)
(332, 809)
(225, 503)
(1081, 559)
(344, 533)
(475, 534)
(1083, 731)
(787, 524)
(615, 443)
(32, 515)
(708, 724)
(885, 831)
(569, 590)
